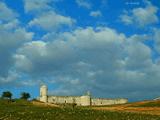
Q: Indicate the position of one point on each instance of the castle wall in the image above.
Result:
(64, 99)
(99, 101)
(85, 100)
(79, 100)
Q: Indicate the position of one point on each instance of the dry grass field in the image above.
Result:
(24, 110)
(144, 107)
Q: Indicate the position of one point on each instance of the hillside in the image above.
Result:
(143, 107)
(24, 110)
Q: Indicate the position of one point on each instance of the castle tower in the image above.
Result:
(86, 99)
(43, 93)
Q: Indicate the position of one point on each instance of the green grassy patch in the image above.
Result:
(23, 110)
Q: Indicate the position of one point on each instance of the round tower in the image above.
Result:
(86, 99)
(43, 93)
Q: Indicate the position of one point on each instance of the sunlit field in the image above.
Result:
(22, 110)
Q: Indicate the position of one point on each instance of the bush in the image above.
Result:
(25, 96)
(7, 95)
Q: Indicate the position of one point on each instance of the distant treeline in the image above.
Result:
(8, 95)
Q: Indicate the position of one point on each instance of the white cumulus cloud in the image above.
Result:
(51, 21)
(84, 3)
(6, 14)
(36, 5)
(95, 13)
(92, 59)
(141, 16)
(157, 39)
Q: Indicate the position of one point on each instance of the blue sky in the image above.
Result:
(109, 47)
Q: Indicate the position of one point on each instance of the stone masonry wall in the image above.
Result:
(84, 100)
(99, 101)
(64, 99)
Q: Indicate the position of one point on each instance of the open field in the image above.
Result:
(144, 107)
(22, 110)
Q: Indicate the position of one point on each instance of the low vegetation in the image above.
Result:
(155, 103)
(25, 110)
(7, 95)
(25, 96)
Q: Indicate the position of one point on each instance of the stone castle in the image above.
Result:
(85, 100)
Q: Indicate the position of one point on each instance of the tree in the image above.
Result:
(25, 95)
(7, 94)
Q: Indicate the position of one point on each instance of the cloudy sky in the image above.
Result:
(109, 47)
